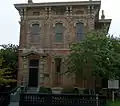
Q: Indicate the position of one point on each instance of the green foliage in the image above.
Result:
(97, 53)
(70, 91)
(9, 53)
(86, 91)
(8, 63)
(116, 103)
(45, 90)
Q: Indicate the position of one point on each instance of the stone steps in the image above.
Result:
(14, 97)
(32, 90)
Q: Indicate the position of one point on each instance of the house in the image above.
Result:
(46, 30)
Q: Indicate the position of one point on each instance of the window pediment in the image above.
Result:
(57, 22)
(32, 22)
(33, 51)
(79, 21)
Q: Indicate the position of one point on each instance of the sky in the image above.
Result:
(9, 18)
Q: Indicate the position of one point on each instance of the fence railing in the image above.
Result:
(27, 99)
(4, 99)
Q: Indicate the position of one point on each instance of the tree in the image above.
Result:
(5, 76)
(8, 63)
(97, 52)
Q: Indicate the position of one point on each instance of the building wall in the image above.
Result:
(47, 18)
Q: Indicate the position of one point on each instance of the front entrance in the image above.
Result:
(33, 77)
(33, 73)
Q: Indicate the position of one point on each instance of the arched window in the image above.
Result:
(35, 29)
(80, 31)
(59, 30)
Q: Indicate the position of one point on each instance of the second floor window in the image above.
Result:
(80, 31)
(59, 30)
(35, 29)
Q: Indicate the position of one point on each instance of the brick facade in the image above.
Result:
(44, 47)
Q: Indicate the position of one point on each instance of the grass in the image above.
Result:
(115, 103)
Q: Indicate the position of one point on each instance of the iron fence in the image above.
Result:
(4, 99)
(30, 99)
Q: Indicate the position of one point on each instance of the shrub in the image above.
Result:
(45, 90)
(98, 90)
(115, 103)
(70, 91)
(86, 91)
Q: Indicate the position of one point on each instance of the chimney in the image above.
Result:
(30, 1)
(102, 16)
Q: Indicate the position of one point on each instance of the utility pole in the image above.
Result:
(90, 7)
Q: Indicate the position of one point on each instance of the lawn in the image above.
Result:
(116, 103)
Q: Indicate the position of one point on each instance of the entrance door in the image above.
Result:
(58, 71)
(33, 72)
(33, 77)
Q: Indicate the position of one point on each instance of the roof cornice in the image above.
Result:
(105, 20)
(24, 5)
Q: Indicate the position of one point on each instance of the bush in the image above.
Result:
(70, 91)
(115, 103)
(86, 91)
(98, 90)
(45, 90)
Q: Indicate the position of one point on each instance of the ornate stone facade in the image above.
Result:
(45, 48)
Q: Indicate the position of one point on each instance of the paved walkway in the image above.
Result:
(14, 98)
(14, 104)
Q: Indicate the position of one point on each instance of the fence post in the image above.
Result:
(113, 95)
(21, 97)
(22, 89)
(97, 99)
(21, 102)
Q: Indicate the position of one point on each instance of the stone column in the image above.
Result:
(41, 72)
(53, 72)
(67, 11)
(46, 72)
(25, 72)
(46, 12)
(49, 9)
(70, 10)
(91, 18)
(91, 22)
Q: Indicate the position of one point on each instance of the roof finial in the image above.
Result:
(102, 16)
(30, 1)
